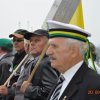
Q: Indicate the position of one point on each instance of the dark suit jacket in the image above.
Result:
(85, 85)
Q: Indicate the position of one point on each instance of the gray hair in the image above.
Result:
(83, 47)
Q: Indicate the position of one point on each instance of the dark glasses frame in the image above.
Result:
(17, 40)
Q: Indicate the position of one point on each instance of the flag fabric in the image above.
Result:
(77, 18)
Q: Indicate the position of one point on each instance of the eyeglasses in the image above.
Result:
(18, 40)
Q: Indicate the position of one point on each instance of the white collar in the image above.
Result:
(68, 75)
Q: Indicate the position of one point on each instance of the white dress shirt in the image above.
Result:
(68, 75)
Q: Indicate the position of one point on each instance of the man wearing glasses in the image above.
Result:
(18, 43)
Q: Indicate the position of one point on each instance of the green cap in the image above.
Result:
(6, 43)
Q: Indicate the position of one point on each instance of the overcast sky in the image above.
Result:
(30, 14)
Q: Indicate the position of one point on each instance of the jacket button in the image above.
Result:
(65, 98)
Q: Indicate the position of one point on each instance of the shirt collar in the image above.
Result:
(71, 72)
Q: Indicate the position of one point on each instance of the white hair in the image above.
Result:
(83, 47)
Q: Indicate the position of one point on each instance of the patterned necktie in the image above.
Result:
(57, 89)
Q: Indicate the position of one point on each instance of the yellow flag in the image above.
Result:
(77, 18)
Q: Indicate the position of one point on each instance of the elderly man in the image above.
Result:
(18, 43)
(44, 77)
(68, 45)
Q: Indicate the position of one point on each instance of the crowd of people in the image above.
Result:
(67, 70)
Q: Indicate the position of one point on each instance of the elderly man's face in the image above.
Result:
(37, 44)
(59, 53)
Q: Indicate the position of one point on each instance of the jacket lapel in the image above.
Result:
(72, 88)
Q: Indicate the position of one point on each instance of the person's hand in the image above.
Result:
(3, 90)
(14, 84)
(24, 86)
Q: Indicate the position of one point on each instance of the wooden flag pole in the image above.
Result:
(24, 59)
(38, 62)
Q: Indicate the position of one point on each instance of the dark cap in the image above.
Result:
(40, 32)
(19, 33)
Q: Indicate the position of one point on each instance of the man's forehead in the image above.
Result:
(36, 36)
(57, 41)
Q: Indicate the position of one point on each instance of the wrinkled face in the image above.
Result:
(59, 53)
(18, 44)
(37, 44)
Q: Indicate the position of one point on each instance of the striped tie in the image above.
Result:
(57, 89)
